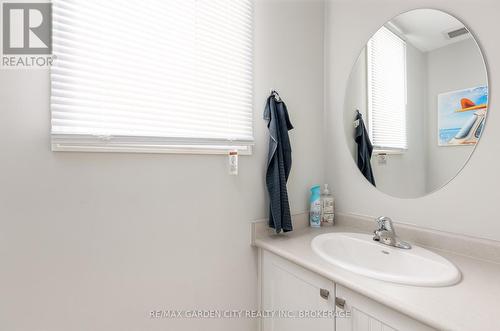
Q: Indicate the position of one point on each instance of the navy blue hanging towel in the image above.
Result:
(279, 163)
(365, 149)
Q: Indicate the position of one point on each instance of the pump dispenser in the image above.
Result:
(327, 206)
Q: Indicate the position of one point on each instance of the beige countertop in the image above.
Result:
(472, 304)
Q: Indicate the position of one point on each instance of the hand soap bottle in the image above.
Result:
(327, 206)
(315, 207)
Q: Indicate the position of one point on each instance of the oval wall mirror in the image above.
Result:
(416, 103)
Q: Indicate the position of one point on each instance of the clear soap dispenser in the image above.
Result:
(327, 207)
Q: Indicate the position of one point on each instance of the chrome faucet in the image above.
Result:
(385, 234)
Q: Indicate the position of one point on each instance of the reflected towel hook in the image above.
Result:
(356, 121)
(275, 94)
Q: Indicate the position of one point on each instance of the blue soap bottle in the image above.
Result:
(315, 207)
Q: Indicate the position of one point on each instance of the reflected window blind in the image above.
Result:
(386, 58)
(178, 72)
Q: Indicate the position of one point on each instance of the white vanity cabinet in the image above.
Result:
(288, 290)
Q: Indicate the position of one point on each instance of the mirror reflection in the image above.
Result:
(416, 103)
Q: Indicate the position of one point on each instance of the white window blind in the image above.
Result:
(386, 58)
(155, 75)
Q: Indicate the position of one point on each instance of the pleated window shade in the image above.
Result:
(386, 58)
(153, 76)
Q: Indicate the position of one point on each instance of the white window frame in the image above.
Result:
(386, 149)
(147, 144)
(150, 145)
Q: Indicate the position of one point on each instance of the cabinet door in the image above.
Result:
(290, 289)
(369, 315)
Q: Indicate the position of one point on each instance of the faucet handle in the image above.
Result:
(381, 227)
(384, 223)
(386, 234)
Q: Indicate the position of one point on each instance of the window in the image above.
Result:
(386, 59)
(152, 76)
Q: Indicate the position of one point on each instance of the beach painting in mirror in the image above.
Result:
(461, 116)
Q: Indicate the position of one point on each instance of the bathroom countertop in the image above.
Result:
(472, 304)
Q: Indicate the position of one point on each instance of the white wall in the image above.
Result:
(454, 67)
(96, 241)
(350, 24)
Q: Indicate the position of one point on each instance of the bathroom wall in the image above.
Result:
(403, 174)
(96, 241)
(454, 67)
(467, 205)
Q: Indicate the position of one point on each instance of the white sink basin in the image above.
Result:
(360, 254)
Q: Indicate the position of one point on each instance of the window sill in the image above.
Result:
(389, 151)
(149, 145)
